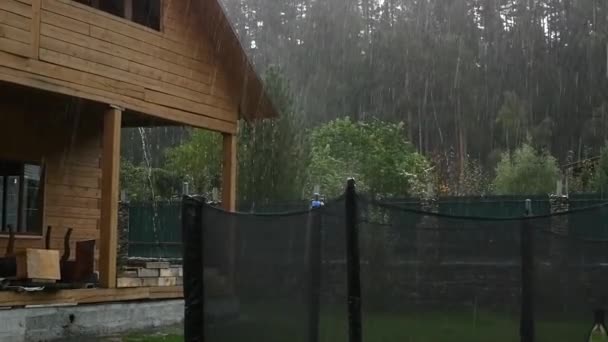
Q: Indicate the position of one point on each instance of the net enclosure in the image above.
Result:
(360, 269)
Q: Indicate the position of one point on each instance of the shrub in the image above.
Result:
(526, 171)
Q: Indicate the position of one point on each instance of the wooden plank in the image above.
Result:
(229, 163)
(54, 210)
(89, 296)
(187, 105)
(98, 62)
(15, 20)
(144, 47)
(109, 200)
(155, 70)
(35, 31)
(107, 21)
(166, 292)
(34, 78)
(97, 80)
(88, 182)
(192, 79)
(38, 264)
(65, 22)
(70, 190)
(132, 82)
(14, 33)
(75, 202)
(84, 171)
(14, 47)
(16, 7)
(91, 224)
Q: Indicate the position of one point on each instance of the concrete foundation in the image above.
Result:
(85, 323)
(78, 322)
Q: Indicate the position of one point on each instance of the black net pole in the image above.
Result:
(192, 236)
(353, 266)
(314, 275)
(527, 279)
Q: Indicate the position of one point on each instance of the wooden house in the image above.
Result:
(72, 73)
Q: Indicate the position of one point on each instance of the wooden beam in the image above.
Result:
(36, 5)
(24, 75)
(110, 165)
(89, 296)
(229, 172)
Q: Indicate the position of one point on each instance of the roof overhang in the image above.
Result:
(254, 101)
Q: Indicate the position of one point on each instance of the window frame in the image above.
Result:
(128, 13)
(28, 230)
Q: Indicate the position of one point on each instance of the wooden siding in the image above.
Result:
(70, 48)
(69, 145)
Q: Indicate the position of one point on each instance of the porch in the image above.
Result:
(75, 146)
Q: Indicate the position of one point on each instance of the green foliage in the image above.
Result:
(512, 117)
(526, 171)
(198, 161)
(583, 178)
(134, 181)
(475, 181)
(375, 153)
(273, 152)
(143, 184)
(600, 180)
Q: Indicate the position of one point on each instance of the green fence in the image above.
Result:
(155, 230)
(492, 206)
(586, 227)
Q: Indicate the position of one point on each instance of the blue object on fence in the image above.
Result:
(316, 202)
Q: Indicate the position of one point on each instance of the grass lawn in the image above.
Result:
(283, 326)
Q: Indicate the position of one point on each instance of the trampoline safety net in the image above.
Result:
(421, 276)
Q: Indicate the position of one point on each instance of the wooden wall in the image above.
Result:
(66, 47)
(66, 137)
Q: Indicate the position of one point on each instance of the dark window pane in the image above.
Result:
(12, 201)
(2, 228)
(31, 215)
(147, 12)
(116, 7)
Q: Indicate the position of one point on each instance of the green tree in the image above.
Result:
(198, 161)
(145, 184)
(375, 153)
(273, 152)
(526, 171)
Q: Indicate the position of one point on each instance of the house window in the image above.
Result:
(144, 12)
(20, 197)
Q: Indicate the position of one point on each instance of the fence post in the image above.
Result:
(353, 264)
(192, 237)
(526, 328)
(314, 275)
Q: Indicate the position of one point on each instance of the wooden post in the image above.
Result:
(110, 166)
(229, 173)
(35, 29)
(229, 203)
